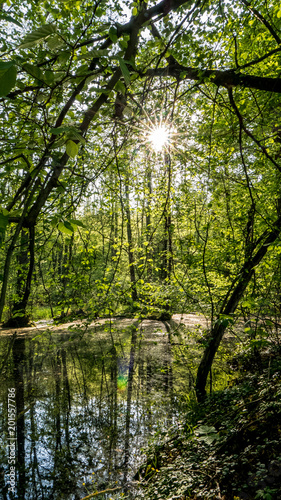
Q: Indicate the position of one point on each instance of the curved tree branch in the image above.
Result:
(224, 78)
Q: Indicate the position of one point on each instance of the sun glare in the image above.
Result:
(158, 137)
(156, 131)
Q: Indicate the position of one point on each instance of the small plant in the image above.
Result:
(266, 494)
(206, 433)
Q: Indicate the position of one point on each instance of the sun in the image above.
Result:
(156, 130)
(159, 137)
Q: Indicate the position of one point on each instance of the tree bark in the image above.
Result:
(19, 316)
(130, 246)
(229, 306)
(224, 78)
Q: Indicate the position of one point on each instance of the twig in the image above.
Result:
(100, 492)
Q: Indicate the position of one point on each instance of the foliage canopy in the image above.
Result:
(112, 223)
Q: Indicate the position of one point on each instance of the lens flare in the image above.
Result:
(159, 137)
(156, 130)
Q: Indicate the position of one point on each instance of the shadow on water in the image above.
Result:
(85, 406)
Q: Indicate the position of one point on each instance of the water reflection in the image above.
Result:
(85, 405)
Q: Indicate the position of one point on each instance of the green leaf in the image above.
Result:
(129, 113)
(100, 12)
(113, 34)
(59, 130)
(72, 149)
(49, 76)
(34, 71)
(64, 56)
(125, 71)
(55, 42)
(37, 35)
(69, 226)
(64, 229)
(75, 135)
(10, 19)
(134, 11)
(3, 221)
(54, 221)
(205, 429)
(120, 87)
(8, 76)
(102, 27)
(77, 222)
(90, 54)
(71, 133)
(206, 433)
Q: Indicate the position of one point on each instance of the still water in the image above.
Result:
(86, 402)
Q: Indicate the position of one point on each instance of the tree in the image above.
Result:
(67, 83)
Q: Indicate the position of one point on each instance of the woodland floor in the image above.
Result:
(228, 448)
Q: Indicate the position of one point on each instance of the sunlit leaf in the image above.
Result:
(64, 229)
(72, 149)
(90, 54)
(77, 222)
(128, 112)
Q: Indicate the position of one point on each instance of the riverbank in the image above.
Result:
(228, 448)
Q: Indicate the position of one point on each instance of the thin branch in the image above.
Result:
(248, 133)
(262, 19)
(108, 490)
(260, 59)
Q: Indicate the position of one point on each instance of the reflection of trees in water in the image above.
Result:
(113, 409)
(32, 370)
(129, 400)
(63, 475)
(90, 405)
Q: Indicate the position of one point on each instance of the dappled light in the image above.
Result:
(140, 171)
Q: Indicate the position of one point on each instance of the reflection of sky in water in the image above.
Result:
(90, 443)
(78, 422)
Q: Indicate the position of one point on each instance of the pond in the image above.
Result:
(79, 405)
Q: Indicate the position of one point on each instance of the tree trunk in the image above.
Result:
(130, 246)
(19, 316)
(148, 223)
(229, 306)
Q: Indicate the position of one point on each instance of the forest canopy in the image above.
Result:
(97, 217)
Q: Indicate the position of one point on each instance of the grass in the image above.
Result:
(43, 312)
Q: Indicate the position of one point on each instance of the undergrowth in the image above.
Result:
(228, 448)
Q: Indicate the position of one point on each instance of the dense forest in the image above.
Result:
(140, 164)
